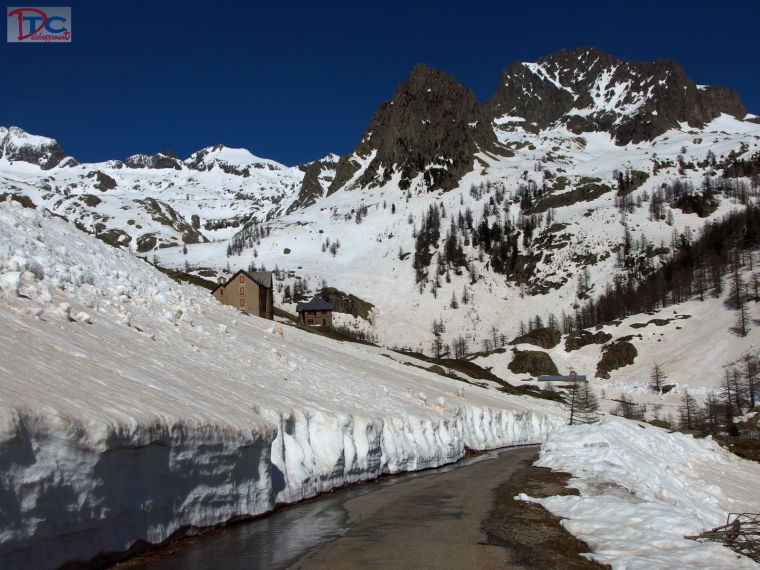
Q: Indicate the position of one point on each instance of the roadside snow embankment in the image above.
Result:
(643, 489)
(134, 409)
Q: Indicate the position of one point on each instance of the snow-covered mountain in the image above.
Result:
(149, 202)
(134, 408)
(588, 90)
(543, 196)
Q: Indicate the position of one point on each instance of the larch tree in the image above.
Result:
(688, 411)
(656, 378)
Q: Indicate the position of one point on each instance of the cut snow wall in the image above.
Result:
(65, 496)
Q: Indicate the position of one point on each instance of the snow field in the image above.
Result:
(160, 410)
(643, 489)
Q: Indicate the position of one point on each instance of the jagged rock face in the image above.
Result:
(161, 160)
(17, 145)
(589, 90)
(316, 175)
(433, 125)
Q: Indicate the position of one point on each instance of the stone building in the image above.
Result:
(316, 312)
(251, 293)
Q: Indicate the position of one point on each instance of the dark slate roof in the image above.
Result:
(316, 304)
(263, 278)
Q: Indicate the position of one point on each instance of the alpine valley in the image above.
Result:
(567, 223)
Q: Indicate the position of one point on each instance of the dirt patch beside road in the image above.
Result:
(533, 536)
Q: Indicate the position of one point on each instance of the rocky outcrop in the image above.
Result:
(578, 339)
(543, 337)
(346, 303)
(17, 145)
(618, 354)
(533, 362)
(317, 177)
(165, 159)
(103, 182)
(589, 90)
(432, 126)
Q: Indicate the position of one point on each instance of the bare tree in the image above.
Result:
(656, 377)
(629, 409)
(737, 300)
(711, 413)
(688, 411)
(751, 370)
(495, 336)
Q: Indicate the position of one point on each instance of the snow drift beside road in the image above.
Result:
(642, 489)
(132, 407)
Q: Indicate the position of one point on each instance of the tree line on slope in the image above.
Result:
(695, 269)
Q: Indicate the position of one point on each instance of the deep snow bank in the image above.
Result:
(132, 407)
(642, 489)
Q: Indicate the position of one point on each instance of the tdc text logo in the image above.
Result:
(50, 24)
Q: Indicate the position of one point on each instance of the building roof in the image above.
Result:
(316, 304)
(263, 278)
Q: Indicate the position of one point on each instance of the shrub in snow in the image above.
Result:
(169, 316)
(459, 392)
(83, 317)
(439, 404)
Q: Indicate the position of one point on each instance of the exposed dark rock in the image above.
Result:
(346, 303)
(432, 126)
(103, 182)
(618, 354)
(146, 242)
(578, 339)
(162, 160)
(164, 214)
(114, 237)
(533, 362)
(659, 95)
(17, 146)
(311, 188)
(90, 200)
(22, 199)
(543, 337)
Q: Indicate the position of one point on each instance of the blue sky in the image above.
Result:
(293, 81)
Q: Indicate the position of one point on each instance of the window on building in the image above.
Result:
(242, 302)
(309, 321)
(242, 279)
(242, 290)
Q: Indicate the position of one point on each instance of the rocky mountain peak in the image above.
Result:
(16, 145)
(589, 90)
(433, 125)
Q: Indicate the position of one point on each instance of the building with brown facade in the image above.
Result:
(251, 293)
(316, 312)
